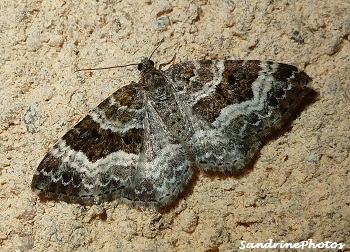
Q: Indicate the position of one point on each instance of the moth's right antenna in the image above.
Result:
(156, 48)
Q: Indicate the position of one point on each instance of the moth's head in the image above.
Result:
(145, 65)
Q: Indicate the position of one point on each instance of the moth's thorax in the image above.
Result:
(152, 79)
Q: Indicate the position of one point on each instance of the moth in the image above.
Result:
(142, 144)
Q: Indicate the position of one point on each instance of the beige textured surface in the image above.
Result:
(297, 190)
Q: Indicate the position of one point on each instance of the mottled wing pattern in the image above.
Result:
(164, 167)
(121, 150)
(141, 144)
(234, 105)
(94, 161)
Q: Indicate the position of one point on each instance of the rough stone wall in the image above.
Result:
(298, 189)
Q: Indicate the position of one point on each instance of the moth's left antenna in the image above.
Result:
(112, 67)
(104, 68)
